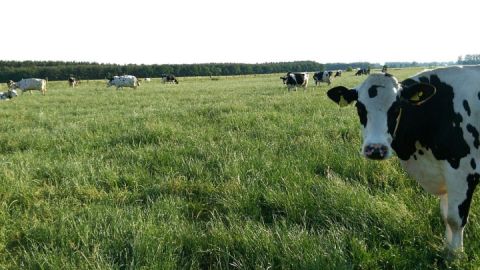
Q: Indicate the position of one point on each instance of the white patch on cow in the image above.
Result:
(427, 170)
(31, 84)
(123, 81)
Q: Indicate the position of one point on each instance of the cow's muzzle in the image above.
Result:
(375, 151)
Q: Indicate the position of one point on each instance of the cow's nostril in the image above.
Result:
(376, 151)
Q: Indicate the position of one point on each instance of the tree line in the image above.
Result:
(469, 59)
(61, 70)
(58, 70)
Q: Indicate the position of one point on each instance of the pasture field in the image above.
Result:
(231, 173)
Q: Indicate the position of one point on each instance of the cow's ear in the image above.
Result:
(417, 93)
(342, 96)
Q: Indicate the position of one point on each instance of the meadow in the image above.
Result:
(212, 173)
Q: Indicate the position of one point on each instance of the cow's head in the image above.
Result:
(10, 84)
(110, 81)
(380, 100)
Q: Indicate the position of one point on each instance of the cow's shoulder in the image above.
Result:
(440, 123)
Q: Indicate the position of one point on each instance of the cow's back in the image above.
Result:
(448, 124)
(465, 84)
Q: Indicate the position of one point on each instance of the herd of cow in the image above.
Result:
(300, 79)
(41, 84)
(430, 120)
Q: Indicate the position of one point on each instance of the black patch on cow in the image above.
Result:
(475, 134)
(473, 164)
(291, 80)
(415, 157)
(300, 78)
(478, 95)
(464, 207)
(420, 152)
(318, 76)
(430, 124)
(362, 113)
(373, 91)
(388, 75)
(466, 107)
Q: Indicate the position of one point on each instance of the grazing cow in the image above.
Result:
(338, 73)
(169, 78)
(123, 81)
(147, 80)
(323, 76)
(294, 79)
(384, 69)
(72, 81)
(431, 121)
(362, 71)
(30, 84)
(11, 93)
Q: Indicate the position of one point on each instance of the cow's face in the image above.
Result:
(13, 85)
(379, 101)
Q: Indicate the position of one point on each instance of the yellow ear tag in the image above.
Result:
(417, 96)
(342, 102)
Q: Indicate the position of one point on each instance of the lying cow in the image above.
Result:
(294, 79)
(322, 76)
(169, 79)
(11, 93)
(30, 84)
(431, 121)
(123, 81)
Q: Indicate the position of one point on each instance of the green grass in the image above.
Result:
(233, 173)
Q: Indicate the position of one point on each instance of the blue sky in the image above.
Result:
(247, 31)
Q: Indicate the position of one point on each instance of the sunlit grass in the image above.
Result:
(235, 172)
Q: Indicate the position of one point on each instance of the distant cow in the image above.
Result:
(10, 83)
(338, 73)
(431, 121)
(169, 78)
(294, 79)
(123, 81)
(147, 80)
(362, 71)
(72, 81)
(11, 93)
(30, 84)
(384, 69)
(323, 76)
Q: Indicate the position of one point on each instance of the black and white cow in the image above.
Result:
(11, 93)
(72, 81)
(322, 76)
(338, 73)
(169, 78)
(294, 79)
(431, 121)
(123, 81)
(362, 71)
